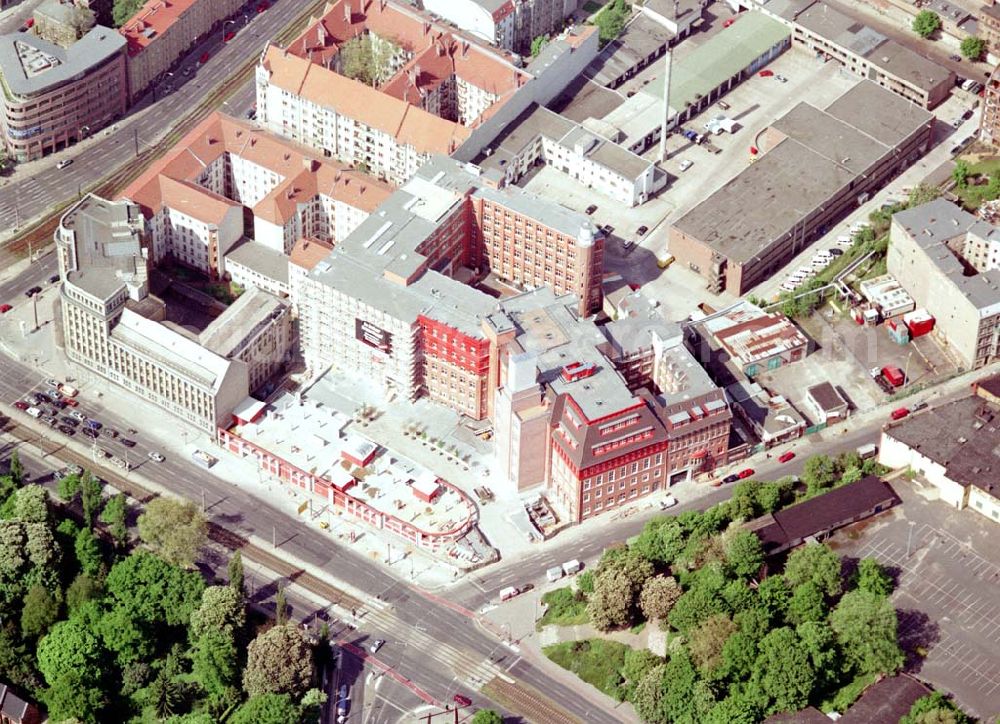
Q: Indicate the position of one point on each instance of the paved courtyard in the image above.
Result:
(947, 592)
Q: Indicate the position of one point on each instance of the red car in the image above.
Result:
(4, 308)
(262, 7)
(70, 401)
(29, 22)
(899, 413)
(21, 405)
(229, 36)
(766, 73)
(745, 473)
(462, 700)
(204, 58)
(785, 457)
(729, 22)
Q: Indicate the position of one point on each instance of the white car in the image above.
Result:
(668, 502)
(790, 285)
(155, 457)
(376, 645)
(77, 415)
(780, 78)
(806, 271)
(685, 164)
(64, 163)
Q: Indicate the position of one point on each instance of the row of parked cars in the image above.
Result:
(56, 407)
(822, 259)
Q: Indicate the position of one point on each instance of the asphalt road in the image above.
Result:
(27, 195)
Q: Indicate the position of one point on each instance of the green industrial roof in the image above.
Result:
(722, 56)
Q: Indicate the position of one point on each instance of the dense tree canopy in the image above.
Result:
(278, 662)
(866, 626)
(816, 563)
(175, 530)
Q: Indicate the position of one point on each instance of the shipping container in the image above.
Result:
(894, 375)
(919, 322)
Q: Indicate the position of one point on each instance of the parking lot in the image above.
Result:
(947, 592)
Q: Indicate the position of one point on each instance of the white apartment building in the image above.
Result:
(195, 198)
(509, 24)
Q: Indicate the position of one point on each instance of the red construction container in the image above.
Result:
(894, 376)
(919, 322)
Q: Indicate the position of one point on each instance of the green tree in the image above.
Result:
(638, 662)
(221, 610)
(68, 487)
(214, 662)
(960, 174)
(88, 552)
(736, 708)
(114, 515)
(872, 578)
(90, 494)
(164, 694)
(744, 554)
(278, 662)
(973, 47)
(738, 596)
(83, 588)
(610, 605)
(610, 21)
(280, 606)
(40, 611)
(866, 626)
(816, 563)
(774, 595)
(820, 643)
(739, 654)
(128, 638)
(537, 44)
(819, 473)
(176, 530)
(919, 195)
(806, 604)
(707, 640)
(72, 659)
(487, 716)
(122, 10)
(926, 23)
(17, 662)
(31, 504)
(784, 671)
(935, 708)
(153, 590)
(658, 596)
(266, 709)
(648, 695)
(694, 606)
(236, 578)
(16, 468)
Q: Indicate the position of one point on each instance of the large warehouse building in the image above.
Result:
(814, 166)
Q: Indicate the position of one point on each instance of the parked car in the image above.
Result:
(126, 442)
(641, 231)
(685, 164)
(67, 429)
(21, 405)
(462, 700)
(899, 413)
(729, 21)
(723, 105)
(780, 78)
(918, 406)
(743, 474)
(91, 433)
(956, 58)
(33, 291)
(376, 645)
(766, 73)
(590, 209)
(786, 456)
(228, 36)
(64, 163)
(155, 456)
(4, 308)
(668, 502)
(731, 478)
(69, 420)
(70, 401)
(94, 425)
(78, 415)
(262, 7)
(835, 251)
(53, 279)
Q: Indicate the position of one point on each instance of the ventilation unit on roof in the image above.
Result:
(577, 371)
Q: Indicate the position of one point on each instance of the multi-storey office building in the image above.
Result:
(110, 323)
(161, 31)
(227, 181)
(54, 96)
(386, 301)
(599, 415)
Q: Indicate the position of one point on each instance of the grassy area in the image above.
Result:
(564, 607)
(972, 195)
(596, 661)
(842, 698)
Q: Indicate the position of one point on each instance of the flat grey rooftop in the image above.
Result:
(583, 99)
(641, 38)
(90, 51)
(932, 226)
(232, 330)
(264, 260)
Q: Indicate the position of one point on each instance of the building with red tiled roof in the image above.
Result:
(161, 31)
(429, 87)
(194, 197)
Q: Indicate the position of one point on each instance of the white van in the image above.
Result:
(34, 412)
(571, 567)
(508, 593)
(846, 239)
(554, 574)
